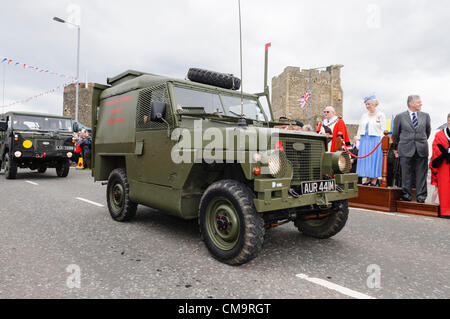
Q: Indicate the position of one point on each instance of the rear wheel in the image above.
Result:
(230, 226)
(120, 206)
(326, 227)
(62, 169)
(10, 168)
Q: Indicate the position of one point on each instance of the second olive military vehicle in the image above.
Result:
(35, 141)
(170, 144)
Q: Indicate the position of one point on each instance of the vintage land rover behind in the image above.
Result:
(35, 141)
(206, 151)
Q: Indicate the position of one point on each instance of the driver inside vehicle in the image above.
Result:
(20, 125)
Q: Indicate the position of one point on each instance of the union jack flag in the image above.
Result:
(304, 100)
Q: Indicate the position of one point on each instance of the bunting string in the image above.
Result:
(42, 94)
(37, 69)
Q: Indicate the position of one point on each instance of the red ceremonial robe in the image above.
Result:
(338, 127)
(442, 174)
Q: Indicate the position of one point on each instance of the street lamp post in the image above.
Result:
(78, 63)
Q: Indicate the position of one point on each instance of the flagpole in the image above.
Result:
(309, 101)
(4, 85)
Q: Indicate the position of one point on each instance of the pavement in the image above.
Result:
(57, 240)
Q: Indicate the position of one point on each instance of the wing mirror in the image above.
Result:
(159, 110)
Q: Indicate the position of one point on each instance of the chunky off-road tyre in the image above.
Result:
(222, 80)
(42, 170)
(62, 169)
(230, 226)
(120, 206)
(10, 168)
(327, 227)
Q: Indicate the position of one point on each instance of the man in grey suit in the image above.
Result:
(412, 129)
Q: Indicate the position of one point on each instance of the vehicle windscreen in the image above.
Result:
(211, 103)
(251, 108)
(36, 123)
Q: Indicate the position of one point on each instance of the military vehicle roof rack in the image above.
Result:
(125, 76)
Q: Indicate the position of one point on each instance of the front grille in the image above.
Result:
(45, 146)
(306, 158)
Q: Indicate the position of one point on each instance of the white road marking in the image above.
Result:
(32, 183)
(90, 202)
(332, 286)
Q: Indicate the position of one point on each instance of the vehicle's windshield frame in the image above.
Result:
(40, 120)
(224, 110)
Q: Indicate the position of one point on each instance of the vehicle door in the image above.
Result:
(153, 141)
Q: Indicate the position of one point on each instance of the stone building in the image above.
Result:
(84, 103)
(289, 87)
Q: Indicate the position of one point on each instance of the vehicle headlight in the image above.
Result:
(18, 154)
(69, 155)
(344, 163)
(274, 164)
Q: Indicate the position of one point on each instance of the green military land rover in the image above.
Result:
(199, 149)
(35, 141)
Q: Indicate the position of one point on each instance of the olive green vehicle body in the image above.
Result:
(48, 148)
(121, 139)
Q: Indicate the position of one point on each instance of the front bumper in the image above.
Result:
(273, 194)
(26, 155)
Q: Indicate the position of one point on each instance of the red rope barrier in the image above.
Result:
(352, 155)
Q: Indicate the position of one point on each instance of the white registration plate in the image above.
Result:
(318, 187)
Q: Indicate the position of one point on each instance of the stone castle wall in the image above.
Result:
(290, 86)
(84, 103)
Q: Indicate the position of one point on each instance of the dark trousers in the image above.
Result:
(87, 160)
(414, 167)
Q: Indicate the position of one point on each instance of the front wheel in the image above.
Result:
(230, 226)
(42, 169)
(62, 169)
(10, 168)
(327, 227)
(120, 206)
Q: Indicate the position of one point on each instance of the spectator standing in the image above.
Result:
(440, 167)
(86, 145)
(355, 151)
(371, 129)
(412, 129)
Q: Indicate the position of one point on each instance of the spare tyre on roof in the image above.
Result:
(222, 80)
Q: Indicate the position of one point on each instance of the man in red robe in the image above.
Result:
(331, 126)
(440, 167)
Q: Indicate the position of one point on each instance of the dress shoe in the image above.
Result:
(421, 200)
(405, 199)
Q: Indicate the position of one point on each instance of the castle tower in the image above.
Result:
(290, 86)
(84, 103)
